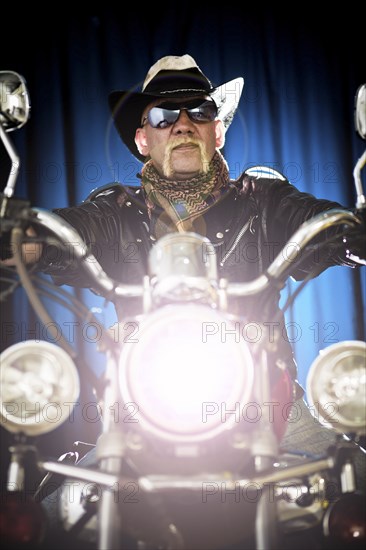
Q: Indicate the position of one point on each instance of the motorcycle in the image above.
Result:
(189, 454)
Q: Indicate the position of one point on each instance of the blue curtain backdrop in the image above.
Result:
(301, 74)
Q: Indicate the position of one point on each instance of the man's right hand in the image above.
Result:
(31, 251)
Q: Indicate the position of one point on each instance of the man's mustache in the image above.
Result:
(178, 141)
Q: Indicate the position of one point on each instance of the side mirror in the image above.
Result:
(14, 101)
(14, 113)
(360, 111)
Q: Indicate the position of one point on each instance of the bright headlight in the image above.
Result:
(186, 366)
(336, 387)
(39, 385)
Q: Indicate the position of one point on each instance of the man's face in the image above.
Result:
(182, 149)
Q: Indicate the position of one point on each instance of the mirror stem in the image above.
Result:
(361, 199)
(15, 163)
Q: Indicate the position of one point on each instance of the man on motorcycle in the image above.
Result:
(176, 126)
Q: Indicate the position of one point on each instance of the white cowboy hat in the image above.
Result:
(171, 76)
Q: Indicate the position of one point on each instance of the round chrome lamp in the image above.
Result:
(39, 386)
(336, 387)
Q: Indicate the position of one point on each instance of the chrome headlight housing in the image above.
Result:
(39, 386)
(336, 387)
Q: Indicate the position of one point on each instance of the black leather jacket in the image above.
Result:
(248, 227)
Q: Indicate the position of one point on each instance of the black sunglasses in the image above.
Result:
(166, 114)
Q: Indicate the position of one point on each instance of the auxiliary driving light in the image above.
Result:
(39, 385)
(336, 387)
(189, 375)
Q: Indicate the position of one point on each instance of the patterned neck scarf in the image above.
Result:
(179, 203)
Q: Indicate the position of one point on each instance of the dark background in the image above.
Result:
(301, 70)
